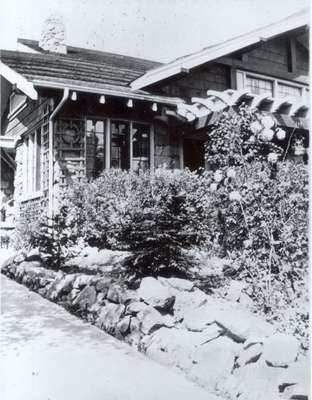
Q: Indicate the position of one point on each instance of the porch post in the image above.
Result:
(181, 155)
(152, 148)
(107, 143)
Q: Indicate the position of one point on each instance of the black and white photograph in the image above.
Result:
(154, 200)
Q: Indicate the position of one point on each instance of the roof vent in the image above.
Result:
(53, 35)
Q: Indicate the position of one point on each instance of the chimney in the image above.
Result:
(53, 35)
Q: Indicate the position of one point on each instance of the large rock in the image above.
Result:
(234, 290)
(214, 361)
(174, 347)
(238, 323)
(151, 320)
(177, 283)
(65, 285)
(135, 307)
(102, 285)
(249, 355)
(123, 325)
(155, 294)
(295, 380)
(82, 281)
(86, 298)
(280, 350)
(110, 317)
(187, 302)
(257, 381)
(115, 293)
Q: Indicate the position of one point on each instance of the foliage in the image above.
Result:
(261, 207)
(152, 215)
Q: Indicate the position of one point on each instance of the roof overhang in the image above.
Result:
(295, 21)
(19, 80)
(109, 91)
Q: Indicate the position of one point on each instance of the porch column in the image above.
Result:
(107, 143)
(152, 148)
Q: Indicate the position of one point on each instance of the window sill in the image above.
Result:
(32, 196)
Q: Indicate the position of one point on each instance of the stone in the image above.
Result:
(65, 285)
(249, 355)
(135, 307)
(115, 293)
(238, 323)
(81, 281)
(123, 325)
(297, 373)
(86, 298)
(129, 296)
(151, 320)
(109, 317)
(172, 347)
(102, 285)
(156, 294)
(33, 255)
(280, 350)
(100, 298)
(235, 290)
(257, 381)
(188, 301)
(27, 265)
(213, 361)
(20, 257)
(177, 283)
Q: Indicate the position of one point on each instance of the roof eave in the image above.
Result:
(196, 59)
(174, 101)
(19, 80)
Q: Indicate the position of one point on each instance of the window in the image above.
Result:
(284, 90)
(140, 146)
(16, 102)
(96, 145)
(259, 86)
(32, 162)
(120, 132)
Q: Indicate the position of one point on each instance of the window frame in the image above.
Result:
(241, 76)
(32, 158)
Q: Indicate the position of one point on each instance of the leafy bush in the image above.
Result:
(153, 215)
(261, 208)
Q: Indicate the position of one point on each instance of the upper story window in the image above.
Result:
(284, 90)
(259, 86)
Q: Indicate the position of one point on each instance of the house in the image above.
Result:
(69, 112)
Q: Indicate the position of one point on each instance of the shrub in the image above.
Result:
(261, 208)
(152, 215)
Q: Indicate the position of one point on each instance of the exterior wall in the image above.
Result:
(272, 58)
(195, 84)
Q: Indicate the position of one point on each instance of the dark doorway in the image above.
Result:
(194, 154)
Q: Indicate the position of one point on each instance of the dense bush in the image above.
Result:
(154, 216)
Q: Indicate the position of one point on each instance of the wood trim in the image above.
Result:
(107, 143)
(152, 148)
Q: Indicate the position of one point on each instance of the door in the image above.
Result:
(194, 154)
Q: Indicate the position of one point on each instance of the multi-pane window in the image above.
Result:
(140, 146)
(259, 85)
(284, 90)
(120, 154)
(96, 145)
(32, 162)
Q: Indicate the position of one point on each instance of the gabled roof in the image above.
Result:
(80, 69)
(288, 24)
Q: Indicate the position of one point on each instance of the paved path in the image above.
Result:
(48, 354)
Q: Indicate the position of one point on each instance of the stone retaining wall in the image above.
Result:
(215, 342)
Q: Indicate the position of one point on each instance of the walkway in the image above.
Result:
(48, 354)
